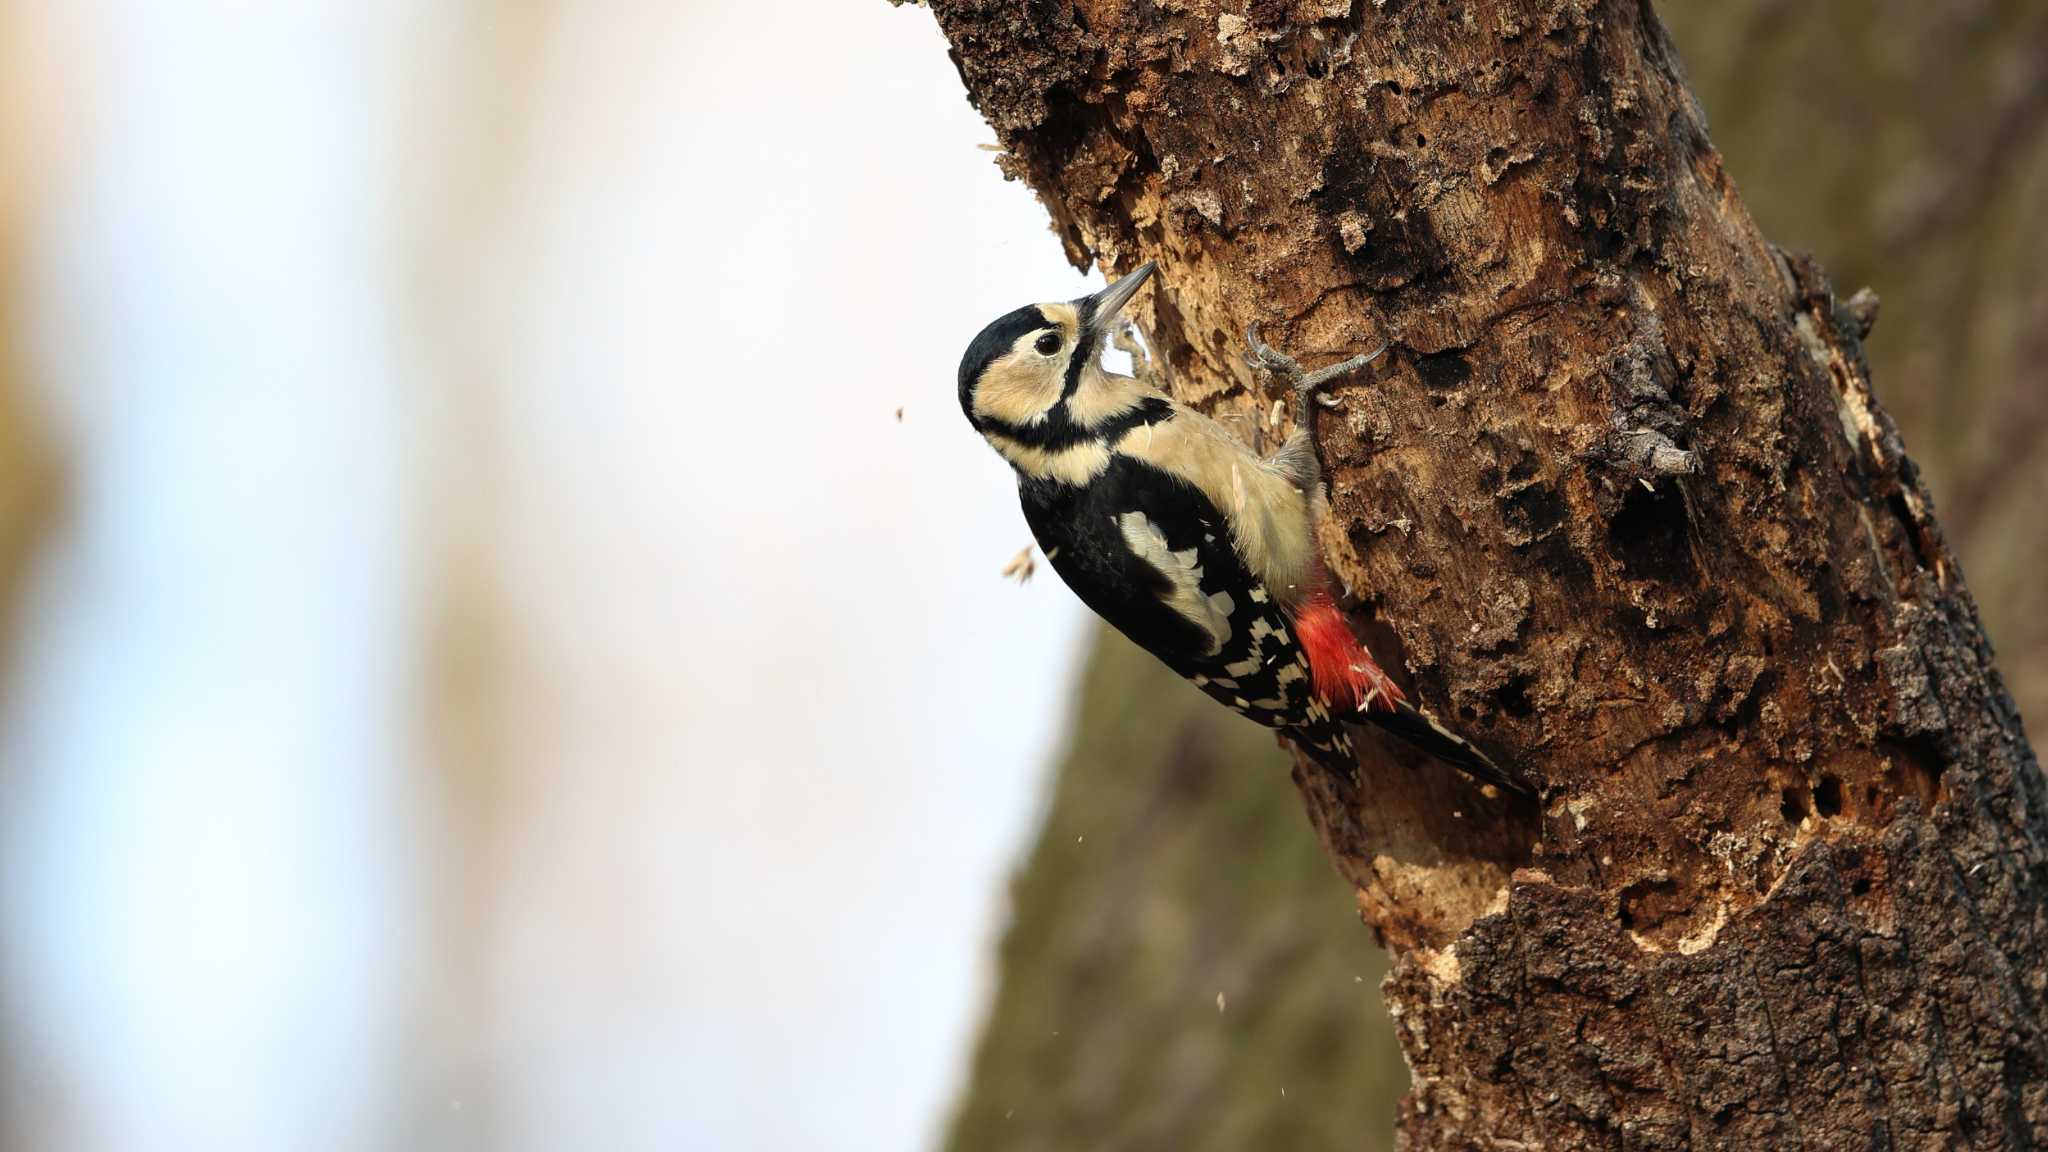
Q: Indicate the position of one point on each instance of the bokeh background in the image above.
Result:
(503, 638)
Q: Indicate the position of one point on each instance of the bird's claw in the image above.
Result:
(1303, 383)
(1126, 340)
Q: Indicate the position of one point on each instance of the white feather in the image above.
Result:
(1183, 575)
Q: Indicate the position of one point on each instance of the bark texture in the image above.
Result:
(1623, 503)
(1907, 143)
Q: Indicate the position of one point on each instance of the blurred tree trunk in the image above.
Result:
(1623, 501)
(29, 488)
(30, 480)
(1180, 972)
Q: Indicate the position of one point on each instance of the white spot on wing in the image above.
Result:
(1184, 593)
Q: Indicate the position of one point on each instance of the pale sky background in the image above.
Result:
(577, 335)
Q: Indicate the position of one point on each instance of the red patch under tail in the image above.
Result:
(1341, 670)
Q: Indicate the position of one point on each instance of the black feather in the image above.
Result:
(991, 344)
(1418, 729)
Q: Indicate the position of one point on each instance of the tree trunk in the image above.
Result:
(1621, 500)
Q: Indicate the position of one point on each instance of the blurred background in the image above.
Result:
(503, 636)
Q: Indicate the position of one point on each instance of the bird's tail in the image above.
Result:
(1328, 744)
(1418, 728)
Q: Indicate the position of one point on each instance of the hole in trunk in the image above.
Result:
(1794, 805)
(1513, 697)
(1827, 796)
(1648, 535)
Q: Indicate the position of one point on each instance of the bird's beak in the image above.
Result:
(1104, 306)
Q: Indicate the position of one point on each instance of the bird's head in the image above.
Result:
(1036, 372)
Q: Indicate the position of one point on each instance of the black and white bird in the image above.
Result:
(1201, 551)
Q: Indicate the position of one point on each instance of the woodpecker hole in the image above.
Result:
(1648, 535)
(1794, 803)
(1827, 797)
(1443, 371)
(1660, 908)
(1854, 866)
(1917, 769)
(1513, 697)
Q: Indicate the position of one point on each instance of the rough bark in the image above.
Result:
(1906, 143)
(1624, 505)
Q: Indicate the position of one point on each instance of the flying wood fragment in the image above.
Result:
(1021, 566)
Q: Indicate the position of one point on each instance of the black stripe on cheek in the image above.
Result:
(1085, 349)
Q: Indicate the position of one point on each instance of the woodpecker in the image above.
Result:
(1167, 526)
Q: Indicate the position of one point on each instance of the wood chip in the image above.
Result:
(1021, 566)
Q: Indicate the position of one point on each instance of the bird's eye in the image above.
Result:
(1048, 344)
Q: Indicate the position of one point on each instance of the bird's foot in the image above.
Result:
(1303, 383)
(1126, 340)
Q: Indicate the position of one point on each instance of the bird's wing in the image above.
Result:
(1151, 555)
